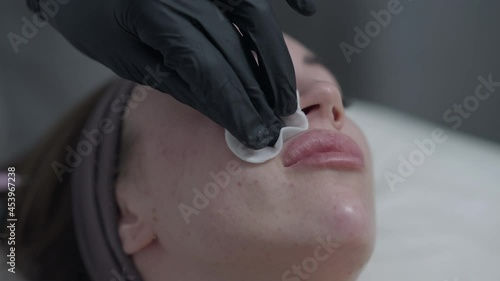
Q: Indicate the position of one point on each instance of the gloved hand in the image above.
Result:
(191, 50)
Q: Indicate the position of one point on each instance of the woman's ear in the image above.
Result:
(135, 228)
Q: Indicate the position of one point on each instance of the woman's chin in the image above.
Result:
(348, 220)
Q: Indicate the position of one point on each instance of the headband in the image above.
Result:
(95, 212)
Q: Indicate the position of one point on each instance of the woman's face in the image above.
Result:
(217, 217)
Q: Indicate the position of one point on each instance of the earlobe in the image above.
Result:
(135, 236)
(134, 229)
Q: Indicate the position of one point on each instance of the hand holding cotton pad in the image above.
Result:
(294, 124)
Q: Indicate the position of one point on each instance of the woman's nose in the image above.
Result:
(321, 101)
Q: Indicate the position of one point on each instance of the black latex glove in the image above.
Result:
(191, 50)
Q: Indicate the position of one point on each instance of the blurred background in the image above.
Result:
(426, 59)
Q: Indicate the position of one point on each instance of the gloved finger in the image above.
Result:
(210, 84)
(304, 7)
(229, 42)
(255, 20)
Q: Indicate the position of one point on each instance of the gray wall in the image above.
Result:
(424, 61)
(39, 83)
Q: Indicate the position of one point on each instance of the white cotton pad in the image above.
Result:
(294, 124)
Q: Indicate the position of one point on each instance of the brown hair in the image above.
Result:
(46, 245)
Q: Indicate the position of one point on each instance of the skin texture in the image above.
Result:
(266, 223)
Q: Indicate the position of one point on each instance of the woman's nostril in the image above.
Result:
(336, 114)
(310, 108)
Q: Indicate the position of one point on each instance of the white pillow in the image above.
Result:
(443, 221)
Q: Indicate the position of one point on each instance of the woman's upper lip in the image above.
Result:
(316, 141)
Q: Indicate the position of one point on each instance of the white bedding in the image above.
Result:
(442, 222)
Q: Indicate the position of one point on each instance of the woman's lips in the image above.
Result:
(323, 148)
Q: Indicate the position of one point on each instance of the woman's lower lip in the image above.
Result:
(335, 160)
